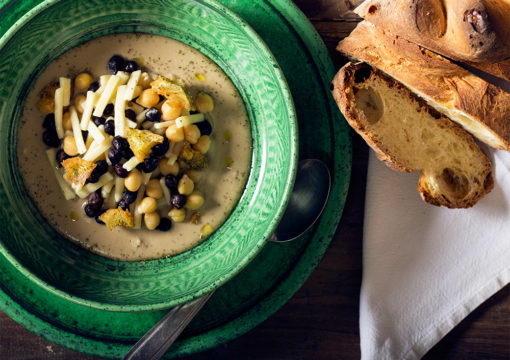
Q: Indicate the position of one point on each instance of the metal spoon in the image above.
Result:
(306, 203)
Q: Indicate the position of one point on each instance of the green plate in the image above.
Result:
(44, 256)
(279, 269)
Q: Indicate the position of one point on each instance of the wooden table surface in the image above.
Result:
(321, 320)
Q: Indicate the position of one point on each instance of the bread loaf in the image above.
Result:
(408, 135)
(481, 108)
(467, 30)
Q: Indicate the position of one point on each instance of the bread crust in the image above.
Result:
(343, 93)
(444, 82)
(466, 30)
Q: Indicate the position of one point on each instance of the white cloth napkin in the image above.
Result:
(426, 268)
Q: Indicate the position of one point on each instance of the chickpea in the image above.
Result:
(133, 181)
(194, 201)
(147, 205)
(175, 134)
(79, 103)
(206, 230)
(203, 144)
(145, 80)
(151, 220)
(204, 102)
(82, 81)
(166, 168)
(46, 105)
(148, 98)
(70, 147)
(66, 121)
(171, 109)
(191, 133)
(185, 185)
(177, 215)
(154, 189)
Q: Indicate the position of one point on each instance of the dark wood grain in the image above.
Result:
(321, 320)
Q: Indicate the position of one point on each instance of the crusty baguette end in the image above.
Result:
(408, 135)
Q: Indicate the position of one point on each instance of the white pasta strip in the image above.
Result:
(97, 149)
(137, 215)
(123, 77)
(147, 125)
(131, 124)
(103, 80)
(146, 178)
(87, 109)
(120, 107)
(131, 85)
(164, 124)
(135, 107)
(131, 163)
(166, 191)
(161, 203)
(62, 183)
(78, 136)
(107, 188)
(119, 188)
(141, 116)
(103, 180)
(110, 88)
(59, 109)
(94, 131)
(65, 85)
(188, 119)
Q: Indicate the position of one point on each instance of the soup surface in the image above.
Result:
(229, 157)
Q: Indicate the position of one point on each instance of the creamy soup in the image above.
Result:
(229, 157)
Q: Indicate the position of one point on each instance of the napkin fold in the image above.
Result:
(426, 268)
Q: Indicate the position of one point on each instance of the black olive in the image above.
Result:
(153, 114)
(165, 224)
(98, 220)
(120, 171)
(95, 200)
(116, 63)
(108, 110)
(161, 149)
(93, 178)
(150, 164)
(204, 127)
(49, 122)
(93, 86)
(85, 134)
(127, 153)
(129, 196)
(50, 138)
(171, 181)
(130, 114)
(131, 66)
(178, 200)
(101, 167)
(90, 211)
(123, 204)
(114, 156)
(119, 144)
(98, 120)
(109, 127)
(61, 156)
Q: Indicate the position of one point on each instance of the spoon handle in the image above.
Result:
(154, 344)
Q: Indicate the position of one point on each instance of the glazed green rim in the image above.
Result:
(288, 167)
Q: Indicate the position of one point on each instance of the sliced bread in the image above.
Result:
(408, 135)
(479, 107)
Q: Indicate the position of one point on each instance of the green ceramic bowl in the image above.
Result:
(51, 261)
